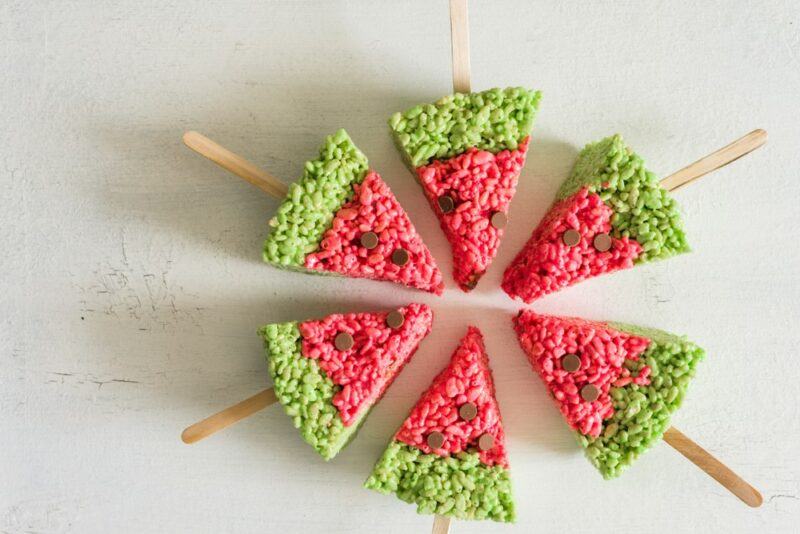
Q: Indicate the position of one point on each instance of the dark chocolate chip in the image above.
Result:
(343, 341)
(485, 442)
(570, 363)
(369, 240)
(468, 411)
(435, 440)
(602, 242)
(446, 203)
(499, 220)
(589, 392)
(395, 319)
(571, 238)
(400, 257)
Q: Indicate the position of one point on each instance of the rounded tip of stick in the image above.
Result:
(189, 137)
(755, 499)
(761, 134)
(188, 436)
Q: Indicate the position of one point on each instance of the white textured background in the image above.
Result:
(131, 284)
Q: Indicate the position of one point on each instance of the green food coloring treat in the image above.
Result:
(492, 120)
(458, 486)
(312, 202)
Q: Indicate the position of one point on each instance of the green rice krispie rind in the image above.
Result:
(643, 210)
(642, 413)
(492, 120)
(305, 391)
(653, 334)
(311, 203)
(458, 486)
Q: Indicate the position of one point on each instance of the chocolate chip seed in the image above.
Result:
(571, 238)
(400, 257)
(589, 392)
(435, 440)
(343, 341)
(446, 203)
(570, 363)
(395, 319)
(468, 411)
(499, 220)
(602, 242)
(485, 442)
(369, 240)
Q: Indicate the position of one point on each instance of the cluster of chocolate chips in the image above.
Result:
(447, 204)
(601, 242)
(467, 411)
(571, 363)
(344, 341)
(369, 240)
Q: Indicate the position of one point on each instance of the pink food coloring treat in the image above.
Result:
(466, 192)
(374, 209)
(467, 379)
(378, 353)
(547, 263)
(602, 352)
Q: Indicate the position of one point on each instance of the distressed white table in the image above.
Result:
(131, 284)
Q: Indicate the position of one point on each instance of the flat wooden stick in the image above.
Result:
(235, 164)
(713, 467)
(459, 38)
(715, 160)
(228, 416)
(441, 524)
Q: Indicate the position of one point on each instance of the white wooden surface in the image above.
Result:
(131, 284)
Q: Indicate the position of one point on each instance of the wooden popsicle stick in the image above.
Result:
(713, 467)
(715, 160)
(235, 164)
(459, 39)
(228, 416)
(441, 524)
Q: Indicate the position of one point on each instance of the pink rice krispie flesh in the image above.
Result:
(374, 211)
(549, 262)
(328, 373)
(466, 381)
(617, 385)
(378, 353)
(471, 194)
(602, 353)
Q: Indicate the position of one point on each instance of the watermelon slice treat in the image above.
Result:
(610, 214)
(328, 373)
(341, 218)
(616, 385)
(467, 151)
(449, 455)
